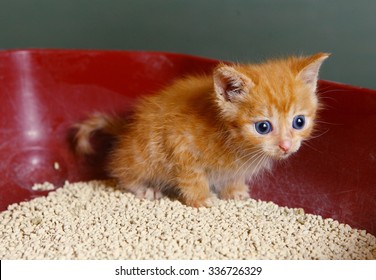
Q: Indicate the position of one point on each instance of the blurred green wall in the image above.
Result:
(240, 30)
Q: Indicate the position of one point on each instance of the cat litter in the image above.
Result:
(94, 220)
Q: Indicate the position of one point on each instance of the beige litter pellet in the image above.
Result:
(56, 165)
(46, 186)
(94, 220)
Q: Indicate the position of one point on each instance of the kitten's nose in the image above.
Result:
(285, 145)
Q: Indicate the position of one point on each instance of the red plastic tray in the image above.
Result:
(43, 92)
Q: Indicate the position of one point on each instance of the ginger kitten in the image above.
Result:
(210, 134)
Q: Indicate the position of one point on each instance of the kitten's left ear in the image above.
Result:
(309, 69)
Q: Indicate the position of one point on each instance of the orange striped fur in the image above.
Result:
(197, 138)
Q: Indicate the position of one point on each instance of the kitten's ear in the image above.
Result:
(229, 84)
(309, 69)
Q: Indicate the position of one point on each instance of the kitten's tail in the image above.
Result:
(108, 124)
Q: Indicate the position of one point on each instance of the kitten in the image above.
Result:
(210, 134)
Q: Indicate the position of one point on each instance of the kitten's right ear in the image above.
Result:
(229, 84)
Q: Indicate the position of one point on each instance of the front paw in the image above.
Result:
(235, 194)
(197, 203)
(148, 193)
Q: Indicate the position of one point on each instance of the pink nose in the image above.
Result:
(285, 145)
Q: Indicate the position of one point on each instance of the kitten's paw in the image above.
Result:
(148, 193)
(207, 202)
(236, 194)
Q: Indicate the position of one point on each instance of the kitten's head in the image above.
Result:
(270, 106)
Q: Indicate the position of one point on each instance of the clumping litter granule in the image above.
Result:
(46, 186)
(95, 220)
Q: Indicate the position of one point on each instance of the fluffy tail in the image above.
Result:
(97, 122)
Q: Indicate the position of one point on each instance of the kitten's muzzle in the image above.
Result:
(285, 146)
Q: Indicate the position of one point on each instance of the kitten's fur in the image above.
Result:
(198, 136)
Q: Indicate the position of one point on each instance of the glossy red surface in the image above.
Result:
(43, 92)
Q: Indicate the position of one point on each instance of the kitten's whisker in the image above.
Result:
(330, 123)
(240, 152)
(333, 90)
(251, 157)
(248, 152)
(326, 97)
(261, 161)
(249, 160)
(317, 136)
(311, 147)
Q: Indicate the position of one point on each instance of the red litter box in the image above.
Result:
(44, 92)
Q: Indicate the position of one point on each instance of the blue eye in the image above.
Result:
(298, 122)
(263, 127)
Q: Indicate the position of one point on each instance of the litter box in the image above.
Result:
(44, 92)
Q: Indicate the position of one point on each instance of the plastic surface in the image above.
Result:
(43, 92)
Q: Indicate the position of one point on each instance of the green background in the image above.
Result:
(238, 30)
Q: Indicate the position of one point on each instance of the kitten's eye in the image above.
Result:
(263, 127)
(298, 122)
